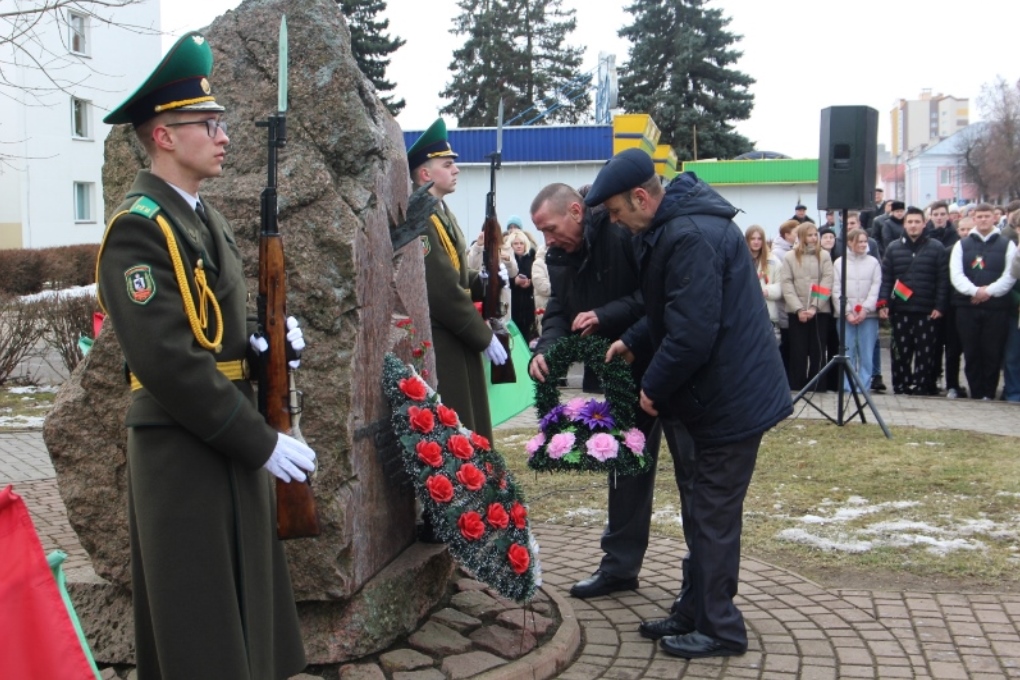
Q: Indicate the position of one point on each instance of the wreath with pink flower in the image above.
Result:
(471, 499)
(587, 434)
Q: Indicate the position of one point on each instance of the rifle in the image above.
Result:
(279, 399)
(492, 307)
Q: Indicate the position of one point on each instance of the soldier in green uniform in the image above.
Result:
(459, 334)
(211, 591)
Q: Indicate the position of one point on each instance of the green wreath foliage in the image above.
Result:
(473, 502)
(620, 395)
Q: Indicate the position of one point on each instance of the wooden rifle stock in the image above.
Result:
(492, 306)
(296, 513)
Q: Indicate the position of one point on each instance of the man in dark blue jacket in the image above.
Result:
(715, 376)
(595, 289)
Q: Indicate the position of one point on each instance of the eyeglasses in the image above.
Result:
(212, 125)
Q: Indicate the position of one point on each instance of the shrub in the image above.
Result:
(64, 319)
(22, 272)
(19, 333)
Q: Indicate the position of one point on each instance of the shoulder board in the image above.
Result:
(146, 207)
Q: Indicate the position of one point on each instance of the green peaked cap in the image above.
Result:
(432, 144)
(179, 83)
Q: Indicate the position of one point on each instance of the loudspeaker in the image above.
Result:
(847, 157)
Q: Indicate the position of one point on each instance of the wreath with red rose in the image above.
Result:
(471, 499)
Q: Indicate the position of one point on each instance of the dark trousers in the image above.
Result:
(625, 538)
(983, 332)
(807, 348)
(915, 353)
(713, 482)
(954, 349)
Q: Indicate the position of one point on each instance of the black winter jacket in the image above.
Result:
(601, 276)
(716, 366)
(922, 266)
(947, 235)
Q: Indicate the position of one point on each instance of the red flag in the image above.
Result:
(37, 638)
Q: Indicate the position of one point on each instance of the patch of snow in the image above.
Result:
(32, 389)
(827, 544)
(75, 291)
(22, 422)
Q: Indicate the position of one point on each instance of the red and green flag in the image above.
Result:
(820, 292)
(902, 291)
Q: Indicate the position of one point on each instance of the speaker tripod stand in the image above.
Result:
(841, 364)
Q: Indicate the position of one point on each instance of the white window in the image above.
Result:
(81, 118)
(946, 177)
(83, 211)
(78, 38)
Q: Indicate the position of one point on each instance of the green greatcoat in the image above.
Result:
(212, 594)
(459, 333)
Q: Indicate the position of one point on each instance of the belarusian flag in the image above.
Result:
(819, 292)
(901, 291)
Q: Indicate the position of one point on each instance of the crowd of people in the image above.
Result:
(944, 279)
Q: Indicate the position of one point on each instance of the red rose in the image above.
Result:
(421, 419)
(471, 477)
(496, 516)
(858, 308)
(519, 558)
(459, 446)
(471, 526)
(440, 488)
(519, 515)
(447, 416)
(413, 388)
(417, 353)
(429, 453)
(403, 323)
(479, 441)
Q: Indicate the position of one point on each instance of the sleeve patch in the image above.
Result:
(141, 286)
(426, 247)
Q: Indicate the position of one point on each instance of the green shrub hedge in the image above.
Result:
(25, 271)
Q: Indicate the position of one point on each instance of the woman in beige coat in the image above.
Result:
(807, 278)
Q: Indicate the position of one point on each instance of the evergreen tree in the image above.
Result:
(371, 45)
(678, 73)
(515, 51)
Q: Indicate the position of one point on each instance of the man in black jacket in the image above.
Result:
(594, 281)
(914, 294)
(942, 230)
(714, 375)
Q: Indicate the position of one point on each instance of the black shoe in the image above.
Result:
(600, 584)
(877, 385)
(696, 646)
(672, 625)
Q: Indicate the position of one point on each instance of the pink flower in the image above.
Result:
(535, 444)
(573, 407)
(634, 439)
(602, 446)
(561, 444)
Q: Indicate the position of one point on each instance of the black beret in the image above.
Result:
(623, 172)
(899, 205)
(826, 230)
(800, 206)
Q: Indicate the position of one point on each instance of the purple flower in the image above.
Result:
(551, 417)
(595, 415)
(602, 446)
(534, 444)
(573, 408)
(560, 445)
(634, 439)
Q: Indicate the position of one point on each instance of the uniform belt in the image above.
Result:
(233, 370)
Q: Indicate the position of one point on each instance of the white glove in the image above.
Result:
(289, 458)
(504, 276)
(495, 352)
(295, 338)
